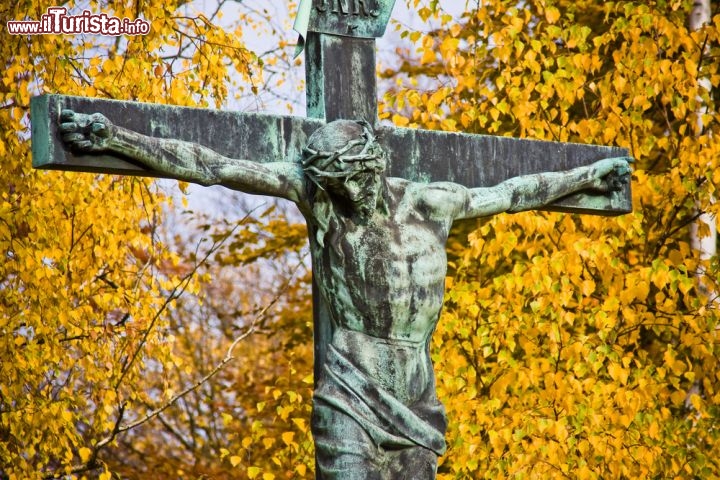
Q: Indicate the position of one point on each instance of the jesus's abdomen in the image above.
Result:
(387, 283)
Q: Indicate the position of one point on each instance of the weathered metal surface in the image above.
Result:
(484, 160)
(339, 85)
(351, 18)
(340, 75)
(257, 137)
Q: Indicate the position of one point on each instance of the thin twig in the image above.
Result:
(227, 359)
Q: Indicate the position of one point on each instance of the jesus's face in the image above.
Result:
(361, 190)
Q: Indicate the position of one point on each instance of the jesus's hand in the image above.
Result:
(85, 133)
(610, 174)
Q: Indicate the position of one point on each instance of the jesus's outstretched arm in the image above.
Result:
(94, 133)
(526, 192)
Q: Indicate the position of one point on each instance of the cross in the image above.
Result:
(340, 50)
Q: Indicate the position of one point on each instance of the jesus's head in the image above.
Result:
(344, 159)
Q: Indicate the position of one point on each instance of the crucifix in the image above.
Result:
(379, 202)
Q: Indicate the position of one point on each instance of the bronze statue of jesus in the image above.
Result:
(378, 253)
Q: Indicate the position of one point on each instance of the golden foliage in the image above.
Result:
(575, 346)
(85, 284)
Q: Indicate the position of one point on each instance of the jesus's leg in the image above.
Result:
(343, 450)
(412, 463)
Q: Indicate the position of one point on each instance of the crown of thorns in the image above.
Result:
(369, 159)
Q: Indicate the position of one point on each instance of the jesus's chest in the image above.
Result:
(386, 250)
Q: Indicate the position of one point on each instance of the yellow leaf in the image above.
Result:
(227, 419)
(428, 56)
(552, 14)
(696, 401)
(235, 460)
(653, 430)
(561, 432)
(300, 423)
(399, 120)
(288, 437)
(618, 373)
(253, 472)
(85, 454)
(584, 473)
(67, 416)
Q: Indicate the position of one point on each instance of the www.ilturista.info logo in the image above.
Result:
(57, 21)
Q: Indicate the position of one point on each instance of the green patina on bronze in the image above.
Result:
(379, 202)
(348, 18)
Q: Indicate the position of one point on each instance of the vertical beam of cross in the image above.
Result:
(340, 83)
(340, 77)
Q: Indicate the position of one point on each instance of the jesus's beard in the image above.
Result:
(365, 208)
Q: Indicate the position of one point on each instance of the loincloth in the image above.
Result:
(387, 421)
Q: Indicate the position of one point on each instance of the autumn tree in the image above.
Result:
(570, 345)
(252, 418)
(86, 284)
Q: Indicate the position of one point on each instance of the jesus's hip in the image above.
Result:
(402, 368)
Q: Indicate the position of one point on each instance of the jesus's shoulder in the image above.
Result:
(436, 201)
(411, 190)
